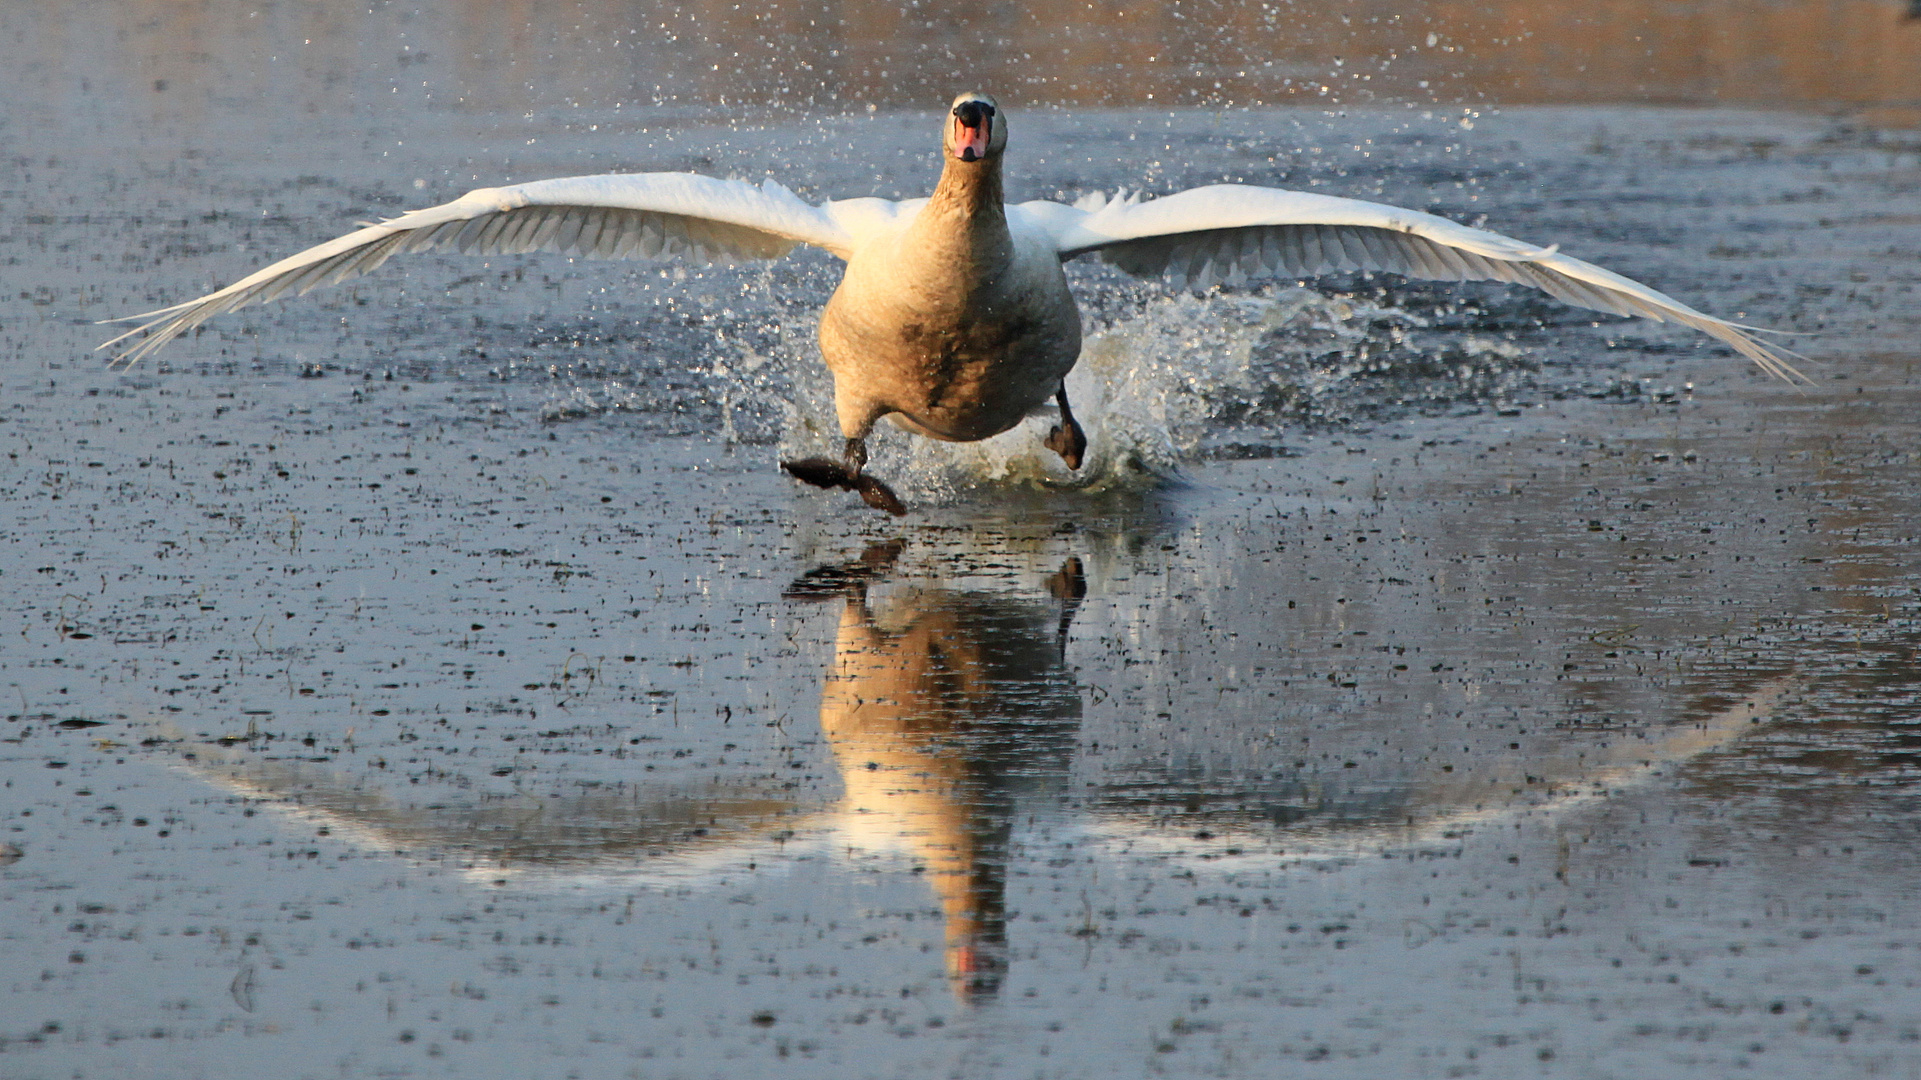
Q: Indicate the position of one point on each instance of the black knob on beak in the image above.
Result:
(973, 113)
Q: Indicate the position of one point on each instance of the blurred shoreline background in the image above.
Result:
(1856, 58)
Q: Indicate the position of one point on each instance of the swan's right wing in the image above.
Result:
(1228, 232)
(615, 216)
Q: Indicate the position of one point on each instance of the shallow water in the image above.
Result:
(439, 677)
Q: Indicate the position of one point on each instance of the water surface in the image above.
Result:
(438, 676)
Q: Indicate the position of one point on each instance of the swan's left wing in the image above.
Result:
(615, 216)
(1228, 232)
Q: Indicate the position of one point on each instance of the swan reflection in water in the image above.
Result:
(951, 716)
(941, 707)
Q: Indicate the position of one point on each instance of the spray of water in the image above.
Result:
(1162, 380)
(1151, 391)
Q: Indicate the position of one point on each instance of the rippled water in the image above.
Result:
(438, 676)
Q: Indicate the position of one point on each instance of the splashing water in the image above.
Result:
(1181, 377)
(1162, 380)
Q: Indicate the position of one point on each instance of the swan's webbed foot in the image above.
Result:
(826, 473)
(820, 472)
(1067, 441)
(1066, 437)
(878, 495)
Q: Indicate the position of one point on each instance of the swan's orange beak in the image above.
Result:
(973, 129)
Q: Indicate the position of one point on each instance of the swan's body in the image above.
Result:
(959, 347)
(954, 317)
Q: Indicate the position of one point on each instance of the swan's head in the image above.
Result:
(975, 128)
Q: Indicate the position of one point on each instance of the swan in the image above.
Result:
(953, 317)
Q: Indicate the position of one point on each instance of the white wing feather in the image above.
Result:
(616, 216)
(1228, 232)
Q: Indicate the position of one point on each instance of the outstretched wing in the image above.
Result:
(616, 216)
(1227, 232)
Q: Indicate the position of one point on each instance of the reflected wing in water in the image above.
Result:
(510, 833)
(1319, 815)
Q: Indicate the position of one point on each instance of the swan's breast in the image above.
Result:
(960, 346)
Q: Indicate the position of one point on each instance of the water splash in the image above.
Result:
(1175, 378)
(1162, 380)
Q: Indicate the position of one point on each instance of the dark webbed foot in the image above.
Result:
(1068, 442)
(1066, 437)
(878, 495)
(820, 472)
(825, 473)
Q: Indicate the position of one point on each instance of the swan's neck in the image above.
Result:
(966, 217)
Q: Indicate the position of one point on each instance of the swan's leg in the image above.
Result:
(872, 492)
(1066, 438)
(825, 472)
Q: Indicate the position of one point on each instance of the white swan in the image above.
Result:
(953, 317)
